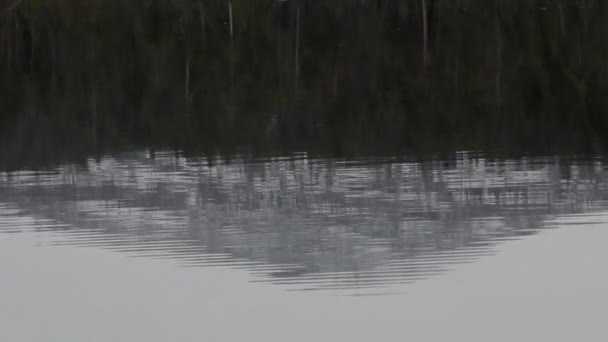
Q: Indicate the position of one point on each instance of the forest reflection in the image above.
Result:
(302, 222)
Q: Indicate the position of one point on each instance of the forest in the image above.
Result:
(348, 77)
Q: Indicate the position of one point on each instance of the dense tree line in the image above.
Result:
(343, 77)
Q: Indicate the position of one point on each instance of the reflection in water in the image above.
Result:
(301, 222)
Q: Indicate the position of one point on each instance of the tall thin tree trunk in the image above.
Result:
(187, 49)
(53, 59)
(231, 46)
(94, 115)
(187, 78)
(425, 35)
(297, 53)
(561, 17)
(498, 57)
(231, 21)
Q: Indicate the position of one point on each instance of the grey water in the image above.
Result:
(303, 170)
(300, 222)
(293, 233)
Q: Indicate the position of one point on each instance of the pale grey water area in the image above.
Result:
(157, 246)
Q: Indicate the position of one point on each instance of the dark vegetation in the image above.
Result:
(344, 77)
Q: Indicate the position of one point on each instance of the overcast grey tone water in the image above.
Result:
(155, 246)
(300, 222)
(288, 171)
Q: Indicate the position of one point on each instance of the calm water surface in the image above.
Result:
(327, 229)
(300, 222)
(108, 234)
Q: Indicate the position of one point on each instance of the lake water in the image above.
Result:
(157, 246)
(289, 170)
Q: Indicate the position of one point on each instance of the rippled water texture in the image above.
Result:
(352, 226)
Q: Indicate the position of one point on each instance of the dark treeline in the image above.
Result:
(329, 77)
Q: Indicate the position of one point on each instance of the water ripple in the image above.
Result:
(300, 222)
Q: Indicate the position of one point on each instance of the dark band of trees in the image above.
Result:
(328, 77)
